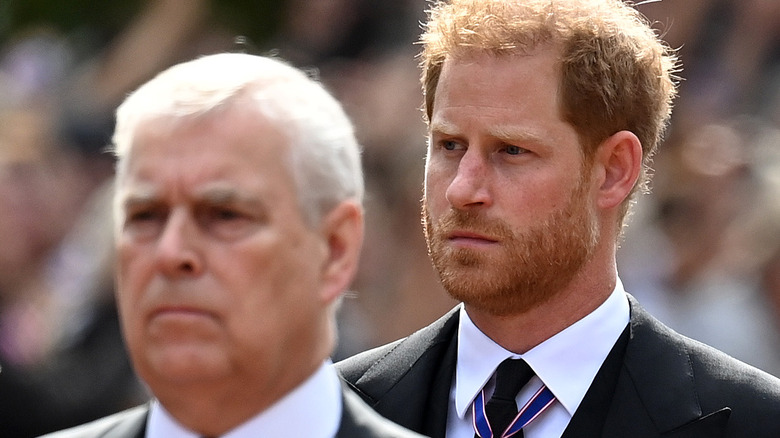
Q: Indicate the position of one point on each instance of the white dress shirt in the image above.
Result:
(567, 363)
(319, 397)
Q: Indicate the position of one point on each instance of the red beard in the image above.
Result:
(535, 264)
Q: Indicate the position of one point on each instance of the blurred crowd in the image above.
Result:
(702, 251)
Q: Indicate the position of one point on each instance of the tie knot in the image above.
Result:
(511, 375)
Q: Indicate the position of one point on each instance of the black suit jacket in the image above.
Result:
(662, 385)
(357, 421)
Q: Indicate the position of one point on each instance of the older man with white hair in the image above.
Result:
(238, 226)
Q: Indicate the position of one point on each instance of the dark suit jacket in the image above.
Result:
(662, 385)
(357, 421)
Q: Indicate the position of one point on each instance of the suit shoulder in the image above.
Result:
(716, 369)
(399, 354)
(747, 381)
(355, 366)
(131, 420)
(670, 367)
(752, 395)
(708, 364)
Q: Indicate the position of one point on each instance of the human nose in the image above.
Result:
(469, 187)
(177, 253)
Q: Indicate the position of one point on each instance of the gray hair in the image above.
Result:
(324, 154)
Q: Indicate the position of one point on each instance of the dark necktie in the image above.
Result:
(501, 409)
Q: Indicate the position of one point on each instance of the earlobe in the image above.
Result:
(620, 157)
(342, 229)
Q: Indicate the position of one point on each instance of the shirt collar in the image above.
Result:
(584, 345)
(319, 397)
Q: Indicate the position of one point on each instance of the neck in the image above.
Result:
(213, 410)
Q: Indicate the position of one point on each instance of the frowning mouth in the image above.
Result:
(179, 311)
(470, 238)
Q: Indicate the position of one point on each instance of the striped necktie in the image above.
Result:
(499, 417)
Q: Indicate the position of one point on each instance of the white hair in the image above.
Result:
(324, 153)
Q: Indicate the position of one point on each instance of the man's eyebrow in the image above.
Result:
(217, 195)
(138, 197)
(506, 133)
(514, 134)
(443, 127)
(211, 195)
(225, 195)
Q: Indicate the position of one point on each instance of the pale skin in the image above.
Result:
(500, 147)
(209, 232)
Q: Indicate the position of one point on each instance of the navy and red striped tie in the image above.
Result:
(499, 417)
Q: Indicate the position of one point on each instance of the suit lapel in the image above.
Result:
(655, 394)
(358, 420)
(410, 385)
(588, 420)
(133, 425)
(439, 398)
(352, 423)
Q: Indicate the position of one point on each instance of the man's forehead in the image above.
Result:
(217, 192)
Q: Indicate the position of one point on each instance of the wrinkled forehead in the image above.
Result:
(239, 120)
(218, 156)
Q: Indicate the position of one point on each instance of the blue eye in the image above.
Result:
(514, 150)
(450, 145)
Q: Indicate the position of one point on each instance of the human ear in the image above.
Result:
(342, 230)
(619, 159)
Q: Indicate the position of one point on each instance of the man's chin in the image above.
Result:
(183, 364)
(498, 306)
(476, 287)
(455, 261)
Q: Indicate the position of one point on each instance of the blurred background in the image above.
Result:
(702, 251)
